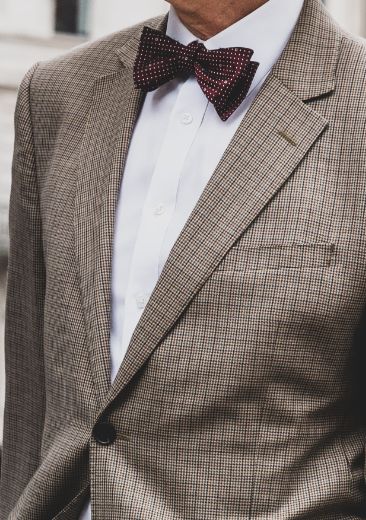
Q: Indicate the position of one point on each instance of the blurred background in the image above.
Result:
(33, 30)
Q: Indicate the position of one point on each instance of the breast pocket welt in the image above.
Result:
(278, 256)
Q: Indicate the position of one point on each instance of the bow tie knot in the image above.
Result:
(192, 56)
(224, 75)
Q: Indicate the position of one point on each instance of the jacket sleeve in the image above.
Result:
(24, 362)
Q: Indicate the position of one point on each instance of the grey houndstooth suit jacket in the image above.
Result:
(242, 395)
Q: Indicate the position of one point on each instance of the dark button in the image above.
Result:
(104, 433)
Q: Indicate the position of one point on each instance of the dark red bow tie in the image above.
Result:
(224, 75)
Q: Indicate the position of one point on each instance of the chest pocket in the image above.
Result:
(243, 257)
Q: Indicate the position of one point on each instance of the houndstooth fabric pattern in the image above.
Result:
(224, 75)
(242, 394)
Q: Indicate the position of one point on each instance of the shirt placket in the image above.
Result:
(160, 202)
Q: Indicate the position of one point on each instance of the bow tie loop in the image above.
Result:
(224, 75)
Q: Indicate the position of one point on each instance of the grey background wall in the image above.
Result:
(33, 30)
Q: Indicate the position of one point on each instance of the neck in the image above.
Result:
(213, 16)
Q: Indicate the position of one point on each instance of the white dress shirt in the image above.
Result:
(176, 145)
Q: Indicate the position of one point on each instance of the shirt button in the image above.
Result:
(186, 118)
(159, 210)
(141, 301)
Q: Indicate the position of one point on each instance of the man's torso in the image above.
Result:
(242, 394)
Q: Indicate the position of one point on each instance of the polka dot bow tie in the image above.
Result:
(224, 75)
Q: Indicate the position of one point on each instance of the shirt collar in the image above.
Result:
(266, 30)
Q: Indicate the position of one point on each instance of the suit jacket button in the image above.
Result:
(104, 433)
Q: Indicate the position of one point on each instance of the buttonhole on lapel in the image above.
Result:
(288, 138)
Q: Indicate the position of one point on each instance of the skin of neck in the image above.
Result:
(205, 18)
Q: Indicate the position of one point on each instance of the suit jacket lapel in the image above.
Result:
(113, 112)
(112, 115)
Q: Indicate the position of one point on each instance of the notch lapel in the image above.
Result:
(114, 109)
(113, 112)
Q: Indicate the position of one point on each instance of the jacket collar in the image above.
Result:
(309, 62)
(127, 52)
